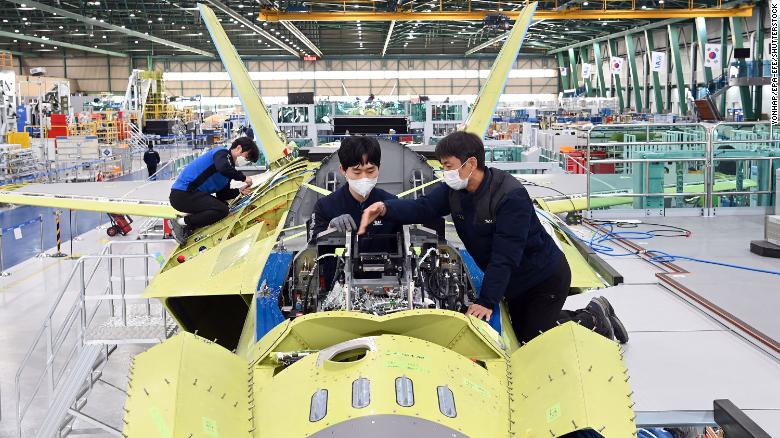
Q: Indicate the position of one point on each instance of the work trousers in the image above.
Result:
(539, 308)
(203, 208)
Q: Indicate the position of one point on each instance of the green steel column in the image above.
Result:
(738, 43)
(612, 44)
(724, 60)
(659, 100)
(599, 70)
(631, 55)
(674, 44)
(563, 83)
(572, 70)
(758, 57)
(584, 58)
(701, 32)
(108, 72)
(149, 63)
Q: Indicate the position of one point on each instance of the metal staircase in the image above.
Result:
(77, 381)
(103, 308)
(134, 104)
(707, 109)
(136, 94)
(137, 139)
(749, 74)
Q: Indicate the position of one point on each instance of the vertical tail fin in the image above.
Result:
(271, 141)
(485, 106)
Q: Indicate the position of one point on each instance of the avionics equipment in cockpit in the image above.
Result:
(378, 274)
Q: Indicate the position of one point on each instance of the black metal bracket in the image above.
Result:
(734, 422)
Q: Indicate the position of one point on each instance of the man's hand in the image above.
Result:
(370, 214)
(248, 181)
(245, 190)
(343, 223)
(479, 312)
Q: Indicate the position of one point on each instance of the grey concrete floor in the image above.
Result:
(680, 357)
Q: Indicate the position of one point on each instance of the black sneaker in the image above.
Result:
(180, 232)
(601, 315)
(621, 334)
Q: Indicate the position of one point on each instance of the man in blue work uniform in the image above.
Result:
(210, 173)
(496, 220)
(360, 159)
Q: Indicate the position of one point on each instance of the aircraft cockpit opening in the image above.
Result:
(378, 275)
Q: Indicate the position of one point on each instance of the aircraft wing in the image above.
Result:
(134, 198)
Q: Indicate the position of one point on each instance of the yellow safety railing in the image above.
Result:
(158, 111)
(82, 128)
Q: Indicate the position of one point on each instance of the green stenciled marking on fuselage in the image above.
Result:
(210, 427)
(476, 387)
(159, 422)
(407, 361)
(553, 412)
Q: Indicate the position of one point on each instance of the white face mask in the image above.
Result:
(241, 161)
(453, 180)
(362, 186)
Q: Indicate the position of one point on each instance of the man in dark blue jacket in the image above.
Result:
(360, 159)
(496, 220)
(210, 173)
(152, 159)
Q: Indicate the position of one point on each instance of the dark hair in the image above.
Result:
(462, 145)
(354, 148)
(247, 145)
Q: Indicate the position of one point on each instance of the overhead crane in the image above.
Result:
(478, 15)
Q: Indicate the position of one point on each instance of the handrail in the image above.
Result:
(55, 340)
(709, 155)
